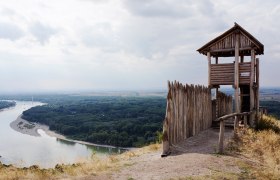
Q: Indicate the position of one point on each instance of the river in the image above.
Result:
(23, 150)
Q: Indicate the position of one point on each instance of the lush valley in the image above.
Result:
(124, 121)
(118, 121)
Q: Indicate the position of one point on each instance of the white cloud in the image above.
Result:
(42, 32)
(159, 8)
(101, 35)
(10, 31)
(123, 44)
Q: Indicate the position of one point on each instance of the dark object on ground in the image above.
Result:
(165, 155)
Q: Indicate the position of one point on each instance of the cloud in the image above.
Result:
(113, 44)
(158, 8)
(10, 31)
(8, 12)
(157, 26)
(42, 32)
(100, 35)
(97, 1)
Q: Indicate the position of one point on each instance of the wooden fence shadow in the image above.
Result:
(206, 142)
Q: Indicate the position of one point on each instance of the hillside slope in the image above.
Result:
(194, 157)
(250, 155)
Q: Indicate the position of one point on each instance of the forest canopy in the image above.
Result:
(118, 121)
(273, 107)
(7, 104)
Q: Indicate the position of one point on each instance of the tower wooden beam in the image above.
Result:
(252, 80)
(209, 68)
(257, 88)
(236, 74)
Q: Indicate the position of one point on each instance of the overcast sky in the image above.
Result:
(74, 45)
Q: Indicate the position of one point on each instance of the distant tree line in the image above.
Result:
(7, 104)
(118, 121)
(273, 107)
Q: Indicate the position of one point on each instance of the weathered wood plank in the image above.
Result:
(226, 78)
(227, 65)
(245, 122)
(230, 81)
(209, 68)
(229, 49)
(221, 83)
(221, 136)
(257, 88)
(252, 79)
(236, 71)
(233, 115)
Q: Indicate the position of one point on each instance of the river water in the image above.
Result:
(24, 150)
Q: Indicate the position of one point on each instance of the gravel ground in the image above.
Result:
(195, 156)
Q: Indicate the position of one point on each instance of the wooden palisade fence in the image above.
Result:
(189, 111)
(224, 104)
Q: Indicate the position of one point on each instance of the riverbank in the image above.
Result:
(198, 160)
(25, 127)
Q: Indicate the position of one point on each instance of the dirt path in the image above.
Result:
(194, 157)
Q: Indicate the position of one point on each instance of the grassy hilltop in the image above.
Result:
(255, 153)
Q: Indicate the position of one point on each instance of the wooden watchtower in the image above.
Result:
(243, 76)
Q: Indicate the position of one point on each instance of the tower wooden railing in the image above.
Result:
(236, 123)
(223, 74)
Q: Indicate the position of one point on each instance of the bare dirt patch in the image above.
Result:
(193, 157)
